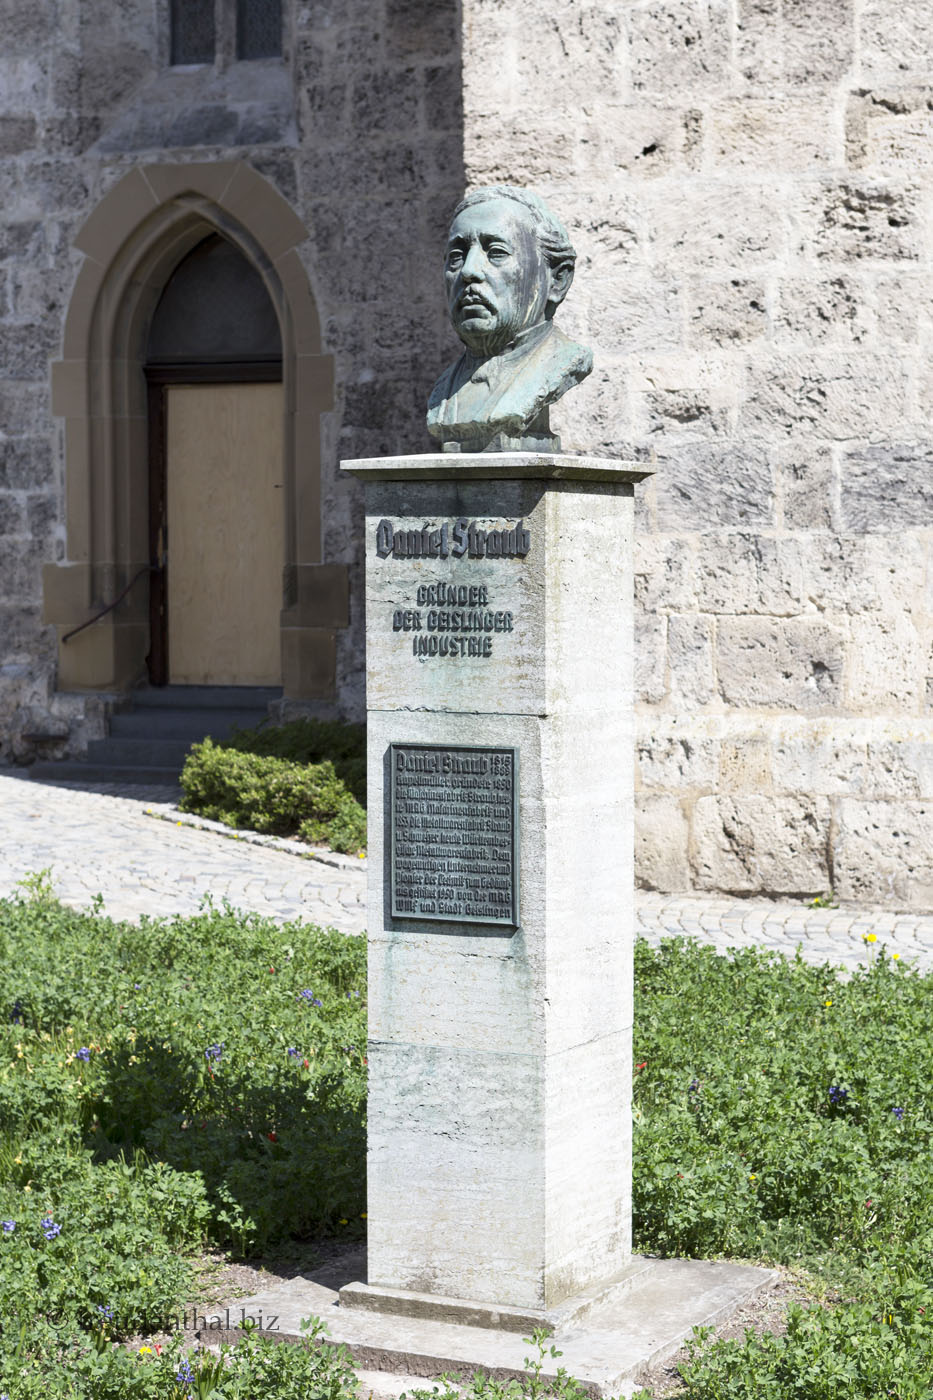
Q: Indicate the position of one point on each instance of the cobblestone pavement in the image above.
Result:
(97, 842)
(105, 840)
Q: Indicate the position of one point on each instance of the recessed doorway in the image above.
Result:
(217, 499)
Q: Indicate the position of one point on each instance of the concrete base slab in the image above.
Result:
(496, 1316)
(606, 1346)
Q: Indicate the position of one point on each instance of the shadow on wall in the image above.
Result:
(381, 192)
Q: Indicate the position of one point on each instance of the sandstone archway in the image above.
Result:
(131, 243)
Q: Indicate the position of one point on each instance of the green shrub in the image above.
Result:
(311, 741)
(276, 795)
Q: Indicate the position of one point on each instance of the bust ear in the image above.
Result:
(560, 276)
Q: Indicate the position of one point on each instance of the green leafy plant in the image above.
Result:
(280, 796)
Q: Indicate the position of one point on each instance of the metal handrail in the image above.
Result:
(146, 569)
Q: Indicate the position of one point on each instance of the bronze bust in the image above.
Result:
(508, 267)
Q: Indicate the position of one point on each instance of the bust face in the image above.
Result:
(498, 279)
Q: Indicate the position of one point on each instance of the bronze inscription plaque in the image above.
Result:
(453, 855)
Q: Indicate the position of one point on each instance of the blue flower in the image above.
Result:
(16, 1015)
(9, 1226)
(105, 1311)
(184, 1375)
(214, 1052)
(898, 1113)
(837, 1094)
(50, 1229)
(83, 1054)
(292, 1053)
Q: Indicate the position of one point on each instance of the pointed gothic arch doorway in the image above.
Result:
(216, 483)
(133, 242)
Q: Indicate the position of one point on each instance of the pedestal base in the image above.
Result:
(606, 1339)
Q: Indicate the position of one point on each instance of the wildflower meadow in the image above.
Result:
(201, 1082)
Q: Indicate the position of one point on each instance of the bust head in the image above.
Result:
(509, 265)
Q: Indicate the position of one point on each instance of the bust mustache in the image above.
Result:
(509, 264)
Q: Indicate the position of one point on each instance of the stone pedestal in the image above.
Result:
(499, 685)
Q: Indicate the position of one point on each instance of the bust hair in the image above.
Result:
(552, 236)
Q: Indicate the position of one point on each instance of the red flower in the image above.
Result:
(272, 1137)
(305, 1064)
(641, 1066)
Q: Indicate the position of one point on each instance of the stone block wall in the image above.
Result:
(750, 186)
(359, 128)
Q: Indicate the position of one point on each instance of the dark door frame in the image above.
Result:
(159, 377)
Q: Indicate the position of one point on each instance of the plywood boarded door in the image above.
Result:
(224, 512)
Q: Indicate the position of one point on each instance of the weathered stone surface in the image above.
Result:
(794, 663)
(849, 221)
(745, 763)
(819, 41)
(828, 396)
(678, 44)
(806, 477)
(896, 41)
(775, 134)
(691, 673)
(884, 852)
(715, 224)
(676, 757)
(661, 838)
(886, 662)
(762, 843)
(745, 573)
(727, 312)
(715, 485)
(887, 488)
(827, 310)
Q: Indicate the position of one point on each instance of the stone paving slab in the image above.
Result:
(133, 847)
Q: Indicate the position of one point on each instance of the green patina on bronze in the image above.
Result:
(509, 264)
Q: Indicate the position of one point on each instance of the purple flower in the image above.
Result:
(184, 1375)
(898, 1113)
(9, 1226)
(105, 1311)
(292, 1053)
(83, 1054)
(16, 1015)
(837, 1094)
(50, 1229)
(214, 1052)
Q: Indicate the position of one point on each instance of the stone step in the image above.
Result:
(188, 723)
(205, 697)
(154, 752)
(79, 771)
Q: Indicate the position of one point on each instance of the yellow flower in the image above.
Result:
(895, 956)
(144, 1351)
(344, 1222)
(828, 1002)
(752, 1176)
(363, 1215)
(870, 937)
